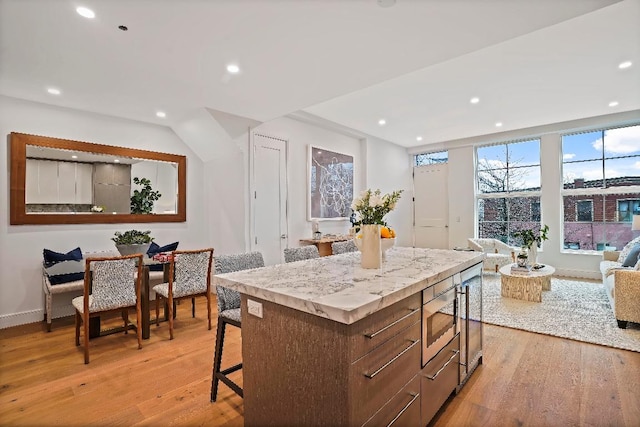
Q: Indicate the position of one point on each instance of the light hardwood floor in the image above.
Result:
(526, 380)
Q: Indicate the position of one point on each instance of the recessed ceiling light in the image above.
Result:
(74, 157)
(53, 91)
(233, 68)
(382, 122)
(116, 161)
(613, 104)
(161, 114)
(625, 64)
(86, 12)
(474, 100)
(418, 138)
(498, 124)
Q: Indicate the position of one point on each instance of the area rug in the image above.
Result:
(573, 309)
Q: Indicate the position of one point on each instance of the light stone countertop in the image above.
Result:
(337, 288)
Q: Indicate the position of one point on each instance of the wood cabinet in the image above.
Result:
(438, 379)
(301, 369)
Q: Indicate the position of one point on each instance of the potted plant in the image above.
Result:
(132, 242)
(371, 207)
(142, 200)
(531, 240)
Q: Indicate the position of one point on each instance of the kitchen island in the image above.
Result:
(325, 342)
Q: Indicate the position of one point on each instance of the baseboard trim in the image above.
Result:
(33, 316)
(16, 319)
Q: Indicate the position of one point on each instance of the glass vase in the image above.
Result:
(523, 257)
(370, 248)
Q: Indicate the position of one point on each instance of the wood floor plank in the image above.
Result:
(526, 379)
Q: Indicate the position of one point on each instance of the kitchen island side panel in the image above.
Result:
(295, 367)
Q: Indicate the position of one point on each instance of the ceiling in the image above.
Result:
(415, 64)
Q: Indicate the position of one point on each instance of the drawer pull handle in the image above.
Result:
(413, 343)
(433, 377)
(415, 396)
(373, 335)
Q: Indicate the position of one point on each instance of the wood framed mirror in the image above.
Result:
(60, 181)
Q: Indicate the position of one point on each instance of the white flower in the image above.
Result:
(375, 201)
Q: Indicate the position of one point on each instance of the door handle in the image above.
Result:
(283, 236)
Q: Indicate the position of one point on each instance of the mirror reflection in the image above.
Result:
(67, 181)
(60, 181)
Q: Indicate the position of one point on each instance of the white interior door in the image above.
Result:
(269, 234)
(431, 206)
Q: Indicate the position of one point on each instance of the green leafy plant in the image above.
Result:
(529, 237)
(142, 200)
(132, 237)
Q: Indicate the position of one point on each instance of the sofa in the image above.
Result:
(622, 283)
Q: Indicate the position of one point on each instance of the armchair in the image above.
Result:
(498, 253)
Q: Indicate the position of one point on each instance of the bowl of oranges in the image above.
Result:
(387, 239)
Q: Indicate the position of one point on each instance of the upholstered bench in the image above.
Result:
(57, 279)
(64, 277)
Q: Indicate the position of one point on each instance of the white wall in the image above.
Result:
(21, 298)
(299, 136)
(227, 190)
(389, 168)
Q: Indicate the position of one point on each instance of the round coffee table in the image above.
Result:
(525, 286)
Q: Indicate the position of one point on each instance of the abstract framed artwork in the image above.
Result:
(330, 184)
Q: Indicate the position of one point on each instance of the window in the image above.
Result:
(431, 158)
(601, 187)
(535, 211)
(508, 189)
(628, 208)
(584, 210)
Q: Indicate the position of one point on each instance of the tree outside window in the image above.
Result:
(508, 183)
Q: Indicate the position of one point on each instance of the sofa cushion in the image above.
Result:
(607, 266)
(632, 257)
(624, 253)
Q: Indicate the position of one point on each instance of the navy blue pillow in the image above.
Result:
(65, 278)
(632, 258)
(52, 257)
(156, 249)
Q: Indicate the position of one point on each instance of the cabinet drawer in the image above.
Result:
(377, 377)
(438, 379)
(374, 330)
(402, 410)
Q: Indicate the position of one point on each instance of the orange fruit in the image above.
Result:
(385, 232)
